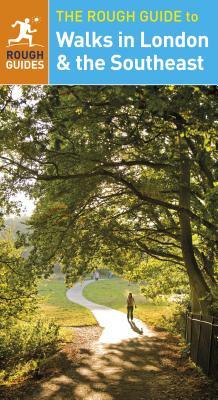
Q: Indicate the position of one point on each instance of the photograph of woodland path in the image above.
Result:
(122, 180)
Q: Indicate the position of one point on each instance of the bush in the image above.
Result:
(25, 345)
(175, 323)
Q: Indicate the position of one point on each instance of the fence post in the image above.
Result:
(186, 325)
(210, 347)
(199, 335)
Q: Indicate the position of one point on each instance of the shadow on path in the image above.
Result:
(135, 328)
(114, 322)
(141, 369)
(125, 363)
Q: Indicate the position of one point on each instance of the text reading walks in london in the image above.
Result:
(93, 40)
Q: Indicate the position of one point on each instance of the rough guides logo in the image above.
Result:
(24, 45)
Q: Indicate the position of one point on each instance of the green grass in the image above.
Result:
(113, 293)
(109, 292)
(55, 305)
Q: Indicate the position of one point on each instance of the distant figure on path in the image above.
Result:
(96, 275)
(130, 306)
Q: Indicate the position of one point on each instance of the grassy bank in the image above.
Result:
(55, 305)
(113, 293)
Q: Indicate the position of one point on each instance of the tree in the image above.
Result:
(117, 169)
(17, 284)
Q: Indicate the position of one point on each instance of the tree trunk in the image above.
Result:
(197, 281)
(195, 305)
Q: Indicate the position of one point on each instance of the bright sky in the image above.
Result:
(27, 204)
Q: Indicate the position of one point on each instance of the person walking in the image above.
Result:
(130, 306)
(96, 275)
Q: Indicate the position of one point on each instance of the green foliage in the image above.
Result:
(25, 340)
(212, 202)
(25, 345)
(106, 166)
(176, 321)
(163, 280)
(17, 283)
(214, 306)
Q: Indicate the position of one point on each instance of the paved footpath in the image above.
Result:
(127, 362)
(115, 326)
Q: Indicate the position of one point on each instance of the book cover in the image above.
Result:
(108, 200)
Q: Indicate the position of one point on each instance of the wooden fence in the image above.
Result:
(202, 336)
